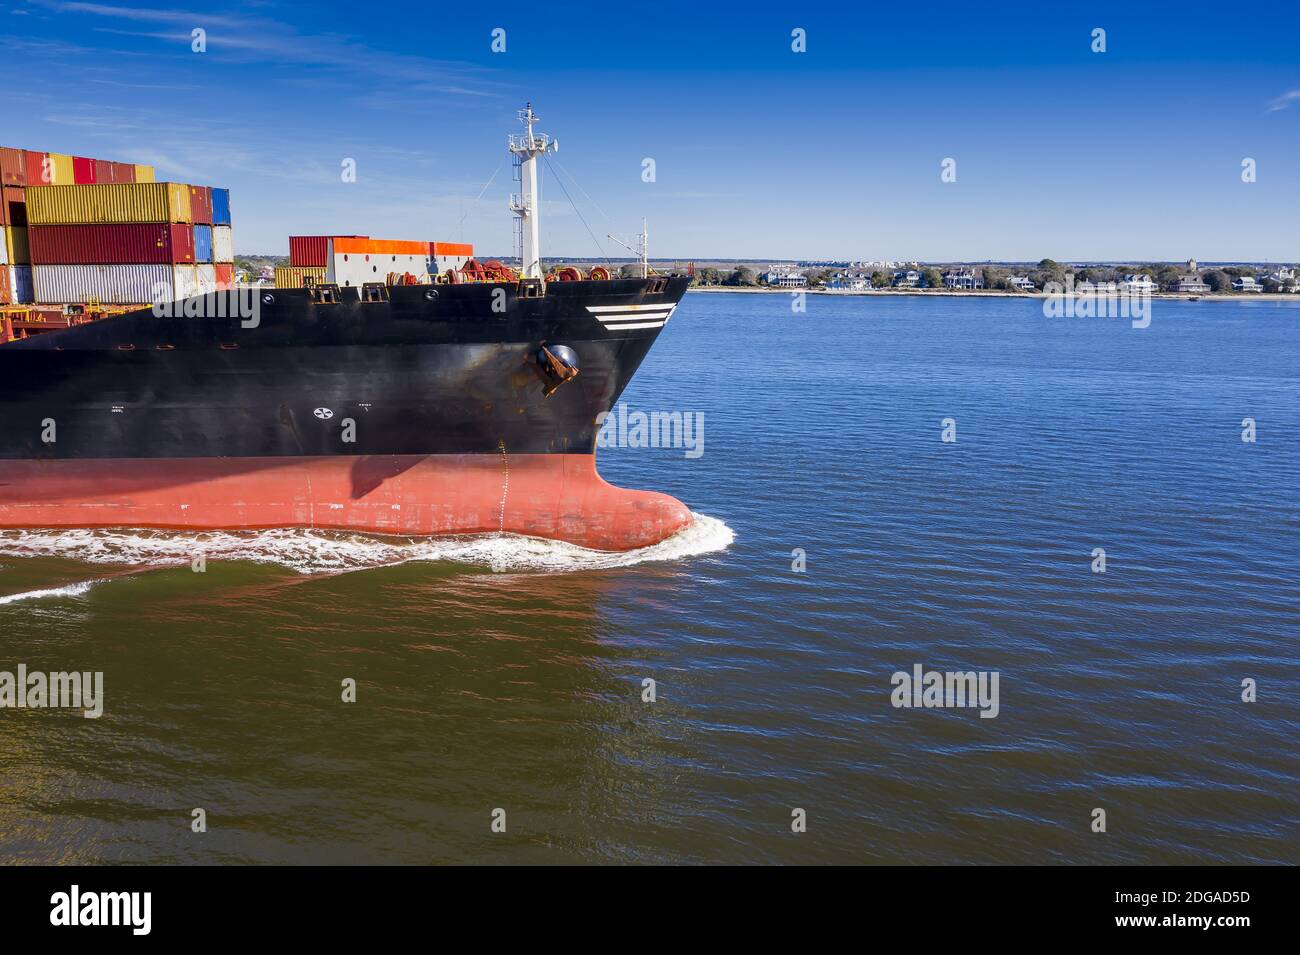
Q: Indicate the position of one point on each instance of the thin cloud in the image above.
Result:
(260, 38)
(1285, 100)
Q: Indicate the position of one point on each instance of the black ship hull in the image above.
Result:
(406, 414)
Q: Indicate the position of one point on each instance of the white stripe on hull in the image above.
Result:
(632, 316)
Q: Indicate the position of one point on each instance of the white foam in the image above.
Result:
(309, 551)
(71, 590)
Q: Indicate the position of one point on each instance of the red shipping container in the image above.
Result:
(153, 243)
(83, 171)
(313, 250)
(13, 167)
(123, 172)
(14, 200)
(225, 276)
(103, 170)
(201, 204)
(40, 172)
(6, 294)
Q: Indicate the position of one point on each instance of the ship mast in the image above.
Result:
(526, 149)
(642, 249)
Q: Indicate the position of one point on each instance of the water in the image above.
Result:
(505, 673)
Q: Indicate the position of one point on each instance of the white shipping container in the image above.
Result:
(357, 269)
(206, 276)
(112, 284)
(4, 245)
(223, 245)
(20, 283)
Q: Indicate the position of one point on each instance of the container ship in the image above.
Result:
(380, 386)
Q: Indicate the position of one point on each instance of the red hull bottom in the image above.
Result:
(558, 496)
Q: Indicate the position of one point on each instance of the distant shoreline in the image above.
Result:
(960, 293)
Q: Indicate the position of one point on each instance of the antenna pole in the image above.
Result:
(526, 149)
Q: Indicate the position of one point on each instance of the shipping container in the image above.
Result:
(40, 171)
(221, 207)
(4, 248)
(16, 241)
(112, 284)
(202, 244)
(6, 294)
(114, 202)
(363, 245)
(201, 205)
(20, 284)
(225, 277)
(122, 171)
(62, 170)
(223, 245)
(206, 277)
(143, 173)
(103, 170)
(312, 250)
(356, 261)
(83, 171)
(13, 167)
(152, 243)
(14, 200)
(292, 276)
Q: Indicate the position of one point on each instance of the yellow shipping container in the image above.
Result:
(143, 173)
(16, 245)
(112, 202)
(61, 168)
(293, 276)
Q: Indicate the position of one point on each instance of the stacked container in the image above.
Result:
(124, 243)
(223, 244)
(21, 169)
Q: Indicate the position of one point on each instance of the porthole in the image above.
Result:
(430, 294)
(268, 299)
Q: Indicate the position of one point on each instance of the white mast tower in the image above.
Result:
(526, 149)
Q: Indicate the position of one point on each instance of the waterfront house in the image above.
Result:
(907, 279)
(853, 280)
(963, 279)
(1189, 283)
(1284, 276)
(1020, 283)
(1138, 284)
(785, 278)
(1246, 283)
(1096, 288)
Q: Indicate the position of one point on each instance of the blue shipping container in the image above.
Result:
(221, 207)
(20, 283)
(202, 243)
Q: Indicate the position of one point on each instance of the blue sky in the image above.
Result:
(835, 153)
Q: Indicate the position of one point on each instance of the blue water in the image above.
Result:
(488, 682)
(1118, 691)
